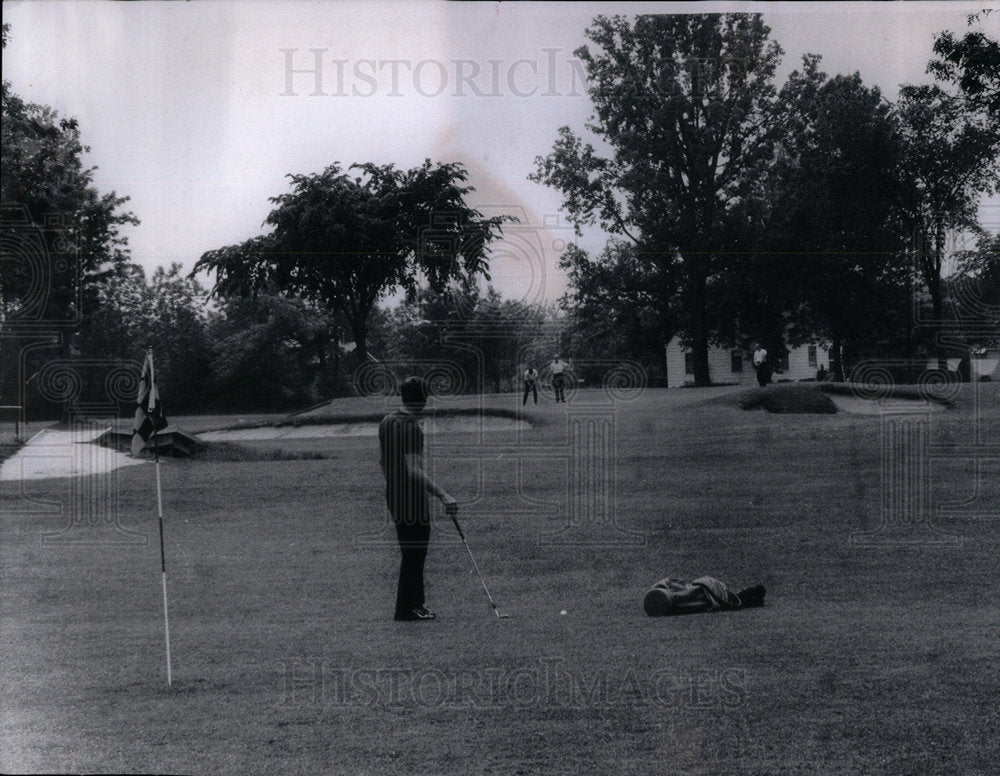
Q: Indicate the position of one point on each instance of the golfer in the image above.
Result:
(558, 369)
(530, 384)
(407, 494)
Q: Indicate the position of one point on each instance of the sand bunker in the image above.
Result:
(442, 425)
(859, 406)
(75, 452)
(64, 453)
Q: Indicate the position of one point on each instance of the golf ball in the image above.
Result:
(563, 612)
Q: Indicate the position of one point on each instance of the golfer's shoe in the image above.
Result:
(752, 596)
(417, 614)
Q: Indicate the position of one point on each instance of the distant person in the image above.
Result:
(530, 384)
(761, 365)
(558, 369)
(821, 374)
(407, 491)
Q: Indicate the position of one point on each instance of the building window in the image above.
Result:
(736, 361)
(812, 355)
(689, 363)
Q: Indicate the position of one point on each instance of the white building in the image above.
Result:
(983, 362)
(733, 366)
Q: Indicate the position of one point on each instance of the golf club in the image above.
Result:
(476, 566)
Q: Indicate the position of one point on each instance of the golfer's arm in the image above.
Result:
(413, 464)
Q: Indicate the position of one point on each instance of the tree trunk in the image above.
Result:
(937, 305)
(359, 329)
(836, 360)
(699, 333)
(336, 366)
(934, 286)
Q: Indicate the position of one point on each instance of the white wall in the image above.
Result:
(720, 366)
(798, 364)
(982, 363)
(987, 363)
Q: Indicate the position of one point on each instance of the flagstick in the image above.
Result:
(163, 561)
(159, 511)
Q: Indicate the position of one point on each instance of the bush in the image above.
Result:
(792, 399)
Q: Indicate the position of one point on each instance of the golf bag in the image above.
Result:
(705, 594)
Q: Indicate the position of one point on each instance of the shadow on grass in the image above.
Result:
(815, 398)
(332, 417)
(785, 399)
(9, 448)
(219, 452)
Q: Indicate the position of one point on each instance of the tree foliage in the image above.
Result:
(167, 313)
(971, 62)
(680, 102)
(975, 287)
(614, 305)
(485, 337)
(272, 352)
(48, 191)
(346, 242)
(950, 161)
(831, 231)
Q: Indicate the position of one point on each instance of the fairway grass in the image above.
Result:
(874, 654)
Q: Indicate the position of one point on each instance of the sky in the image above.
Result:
(198, 110)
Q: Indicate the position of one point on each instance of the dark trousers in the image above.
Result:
(529, 385)
(558, 381)
(414, 536)
(763, 375)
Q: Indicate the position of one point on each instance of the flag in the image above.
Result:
(149, 416)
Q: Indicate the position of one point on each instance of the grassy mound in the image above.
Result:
(321, 418)
(229, 451)
(799, 399)
(218, 451)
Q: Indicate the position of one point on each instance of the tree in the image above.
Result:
(975, 288)
(60, 236)
(950, 161)
(271, 352)
(47, 191)
(168, 313)
(481, 333)
(346, 242)
(834, 223)
(680, 102)
(613, 304)
(971, 62)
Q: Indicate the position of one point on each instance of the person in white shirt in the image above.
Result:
(530, 384)
(761, 365)
(558, 369)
